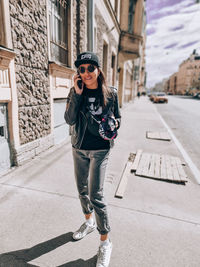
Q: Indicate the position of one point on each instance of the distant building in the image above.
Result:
(172, 84)
(189, 74)
(187, 79)
(39, 41)
(160, 87)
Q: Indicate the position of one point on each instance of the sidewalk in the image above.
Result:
(156, 224)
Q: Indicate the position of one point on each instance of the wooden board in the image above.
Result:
(158, 136)
(137, 160)
(181, 171)
(162, 167)
(141, 165)
(151, 165)
(124, 180)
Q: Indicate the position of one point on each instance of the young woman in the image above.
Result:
(89, 102)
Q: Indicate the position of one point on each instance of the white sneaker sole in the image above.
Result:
(79, 238)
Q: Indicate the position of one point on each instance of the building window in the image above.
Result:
(3, 122)
(59, 31)
(136, 73)
(105, 57)
(113, 68)
(131, 15)
(95, 39)
(175, 80)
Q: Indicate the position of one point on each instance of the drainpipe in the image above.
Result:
(90, 25)
(78, 27)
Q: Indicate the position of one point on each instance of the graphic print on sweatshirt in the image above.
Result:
(94, 106)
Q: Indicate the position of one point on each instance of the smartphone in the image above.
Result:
(79, 82)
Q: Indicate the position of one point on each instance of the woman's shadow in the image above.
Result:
(20, 258)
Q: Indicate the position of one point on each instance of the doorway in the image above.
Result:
(5, 157)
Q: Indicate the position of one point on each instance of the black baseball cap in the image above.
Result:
(87, 57)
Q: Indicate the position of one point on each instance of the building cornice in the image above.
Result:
(56, 69)
(6, 55)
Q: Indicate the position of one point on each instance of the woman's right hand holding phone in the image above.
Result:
(78, 82)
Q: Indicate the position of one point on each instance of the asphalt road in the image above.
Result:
(182, 114)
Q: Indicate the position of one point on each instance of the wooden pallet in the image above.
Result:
(158, 136)
(161, 167)
(150, 165)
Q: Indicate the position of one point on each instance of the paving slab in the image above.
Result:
(155, 224)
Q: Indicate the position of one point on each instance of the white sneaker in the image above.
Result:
(83, 231)
(103, 255)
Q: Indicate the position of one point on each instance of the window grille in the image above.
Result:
(58, 20)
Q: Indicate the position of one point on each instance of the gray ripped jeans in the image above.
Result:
(92, 163)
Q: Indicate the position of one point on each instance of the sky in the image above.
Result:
(173, 32)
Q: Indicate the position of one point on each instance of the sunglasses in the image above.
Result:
(90, 68)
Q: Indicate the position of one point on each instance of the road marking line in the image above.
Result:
(187, 158)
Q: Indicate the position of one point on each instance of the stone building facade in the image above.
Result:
(131, 45)
(170, 84)
(160, 86)
(39, 41)
(187, 79)
(29, 37)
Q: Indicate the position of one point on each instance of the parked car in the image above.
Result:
(197, 95)
(160, 97)
(151, 95)
(193, 91)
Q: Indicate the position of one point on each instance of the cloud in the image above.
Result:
(170, 46)
(189, 44)
(171, 38)
(150, 31)
(158, 9)
(179, 27)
